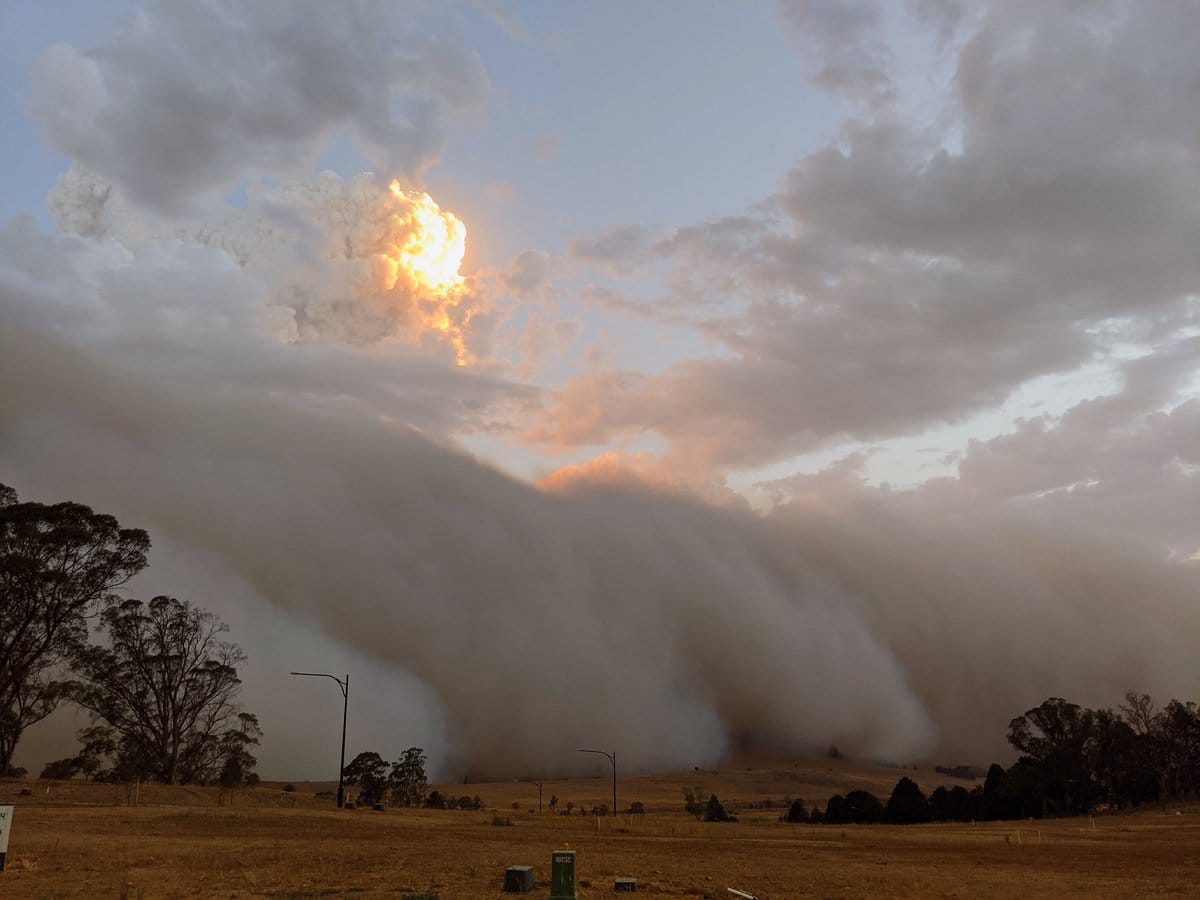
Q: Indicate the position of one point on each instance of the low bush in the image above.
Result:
(796, 812)
(715, 812)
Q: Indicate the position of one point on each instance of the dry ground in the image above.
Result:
(75, 842)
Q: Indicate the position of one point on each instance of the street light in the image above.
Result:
(538, 785)
(345, 689)
(612, 758)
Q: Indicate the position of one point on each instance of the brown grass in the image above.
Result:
(74, 842)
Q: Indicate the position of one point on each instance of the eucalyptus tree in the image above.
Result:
(165, 685)
(59, 565)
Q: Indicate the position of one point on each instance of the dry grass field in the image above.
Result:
(75, 841)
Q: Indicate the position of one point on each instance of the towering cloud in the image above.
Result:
(343, 260)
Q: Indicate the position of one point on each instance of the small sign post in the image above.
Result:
(6, 817)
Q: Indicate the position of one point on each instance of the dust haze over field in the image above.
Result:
(266, 386)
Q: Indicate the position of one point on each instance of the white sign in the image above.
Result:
(6, 816)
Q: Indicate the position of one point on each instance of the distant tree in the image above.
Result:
(636, 808)
(993, 800)
(1027, 792)
(231, 774)
(835, 811)
(407, 779)
(1177, 736)
(237, 761)
(553, 802)
(367, 772)
(796, 812)
(59, 564)
(1151, 752)
(17, 772)
(939, 805)
(715, 812)
(60, 770)
(1053, 740)
(863, 807)
(1166, 747)
(252, 779)
(965, 804)
(693, 801)
(166, 687)
(435, 800)
(97, 746)
(954, 805)
(907, 805)
(1118, 762)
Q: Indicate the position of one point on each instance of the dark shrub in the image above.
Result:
(60, 769)
(835, 811)
(907, 805)
(435, 800)
(715, 812)
(863, 808)
(796, 812)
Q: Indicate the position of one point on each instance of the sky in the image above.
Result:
(654, 376)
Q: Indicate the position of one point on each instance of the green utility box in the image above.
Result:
(562, 875)
(518, 880)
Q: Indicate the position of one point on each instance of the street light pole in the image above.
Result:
(612, 758)
(344, 686)
(538, 784)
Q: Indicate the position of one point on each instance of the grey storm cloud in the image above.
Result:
(194, 99)
(324, 479)
(509, 603)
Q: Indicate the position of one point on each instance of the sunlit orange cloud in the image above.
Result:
(643, 472)
(615, 468)
(422, 254)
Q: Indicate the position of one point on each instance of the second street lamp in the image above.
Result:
(612, 758)
(345, 688)
(536, 782)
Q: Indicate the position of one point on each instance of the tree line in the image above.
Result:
(400, 783)
(160, 685)
(1072, 761)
